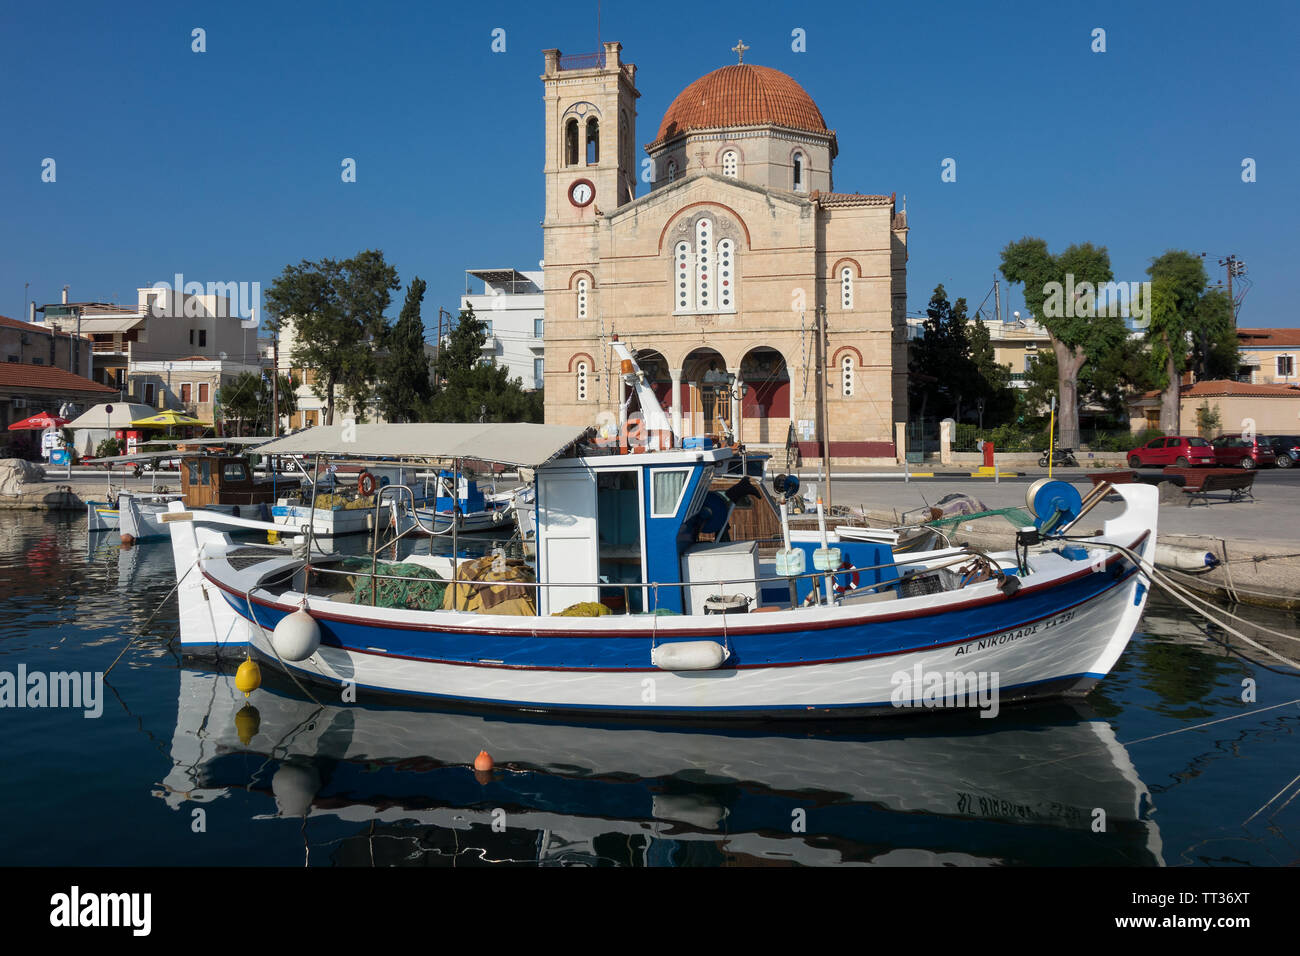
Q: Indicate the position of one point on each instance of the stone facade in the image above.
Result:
(720, 270)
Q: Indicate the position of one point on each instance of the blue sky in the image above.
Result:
(225, 165)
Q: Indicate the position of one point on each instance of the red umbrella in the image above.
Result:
(40, 421)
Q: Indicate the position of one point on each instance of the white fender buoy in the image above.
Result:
(1184, 559)
(296, 637)
(689, 656)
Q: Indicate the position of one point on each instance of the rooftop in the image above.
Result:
(23, 377)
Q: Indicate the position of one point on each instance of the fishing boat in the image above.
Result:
(679, 625)
(469, 506)
(212, 480)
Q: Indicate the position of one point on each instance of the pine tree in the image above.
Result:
(470, 389)
(404, 385)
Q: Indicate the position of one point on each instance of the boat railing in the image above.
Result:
(932, 561)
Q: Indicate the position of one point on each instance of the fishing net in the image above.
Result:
(584, 609)
(426, 594)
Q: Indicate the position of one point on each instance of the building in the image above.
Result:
(25, 343)
(165, 325)
(512, 307)
(192, 384)
(718, 275)
(1268, 356)
(1016, 343)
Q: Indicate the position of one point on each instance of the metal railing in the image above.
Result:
(933, 561)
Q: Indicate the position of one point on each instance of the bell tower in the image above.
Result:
(590, 132)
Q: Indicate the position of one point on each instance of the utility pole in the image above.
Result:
(275, 383)
(821, 401)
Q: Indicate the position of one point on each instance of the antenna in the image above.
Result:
(598, 46)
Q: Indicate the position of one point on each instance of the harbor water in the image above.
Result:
(1184, 756)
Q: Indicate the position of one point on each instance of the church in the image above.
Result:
(720, 276)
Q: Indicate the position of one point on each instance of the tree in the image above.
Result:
(404, 385)
(1191, 327)
(1061, 292)
(337, 309)
(470, 389)
(952, 367)
(246, 401)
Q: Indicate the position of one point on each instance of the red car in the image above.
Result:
(1179, 450)
(1233, 451)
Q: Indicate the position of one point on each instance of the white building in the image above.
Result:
(512, 307)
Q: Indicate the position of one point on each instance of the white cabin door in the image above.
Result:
(566, 539)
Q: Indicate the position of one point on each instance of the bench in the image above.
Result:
(1228, 484)
(1114, 477)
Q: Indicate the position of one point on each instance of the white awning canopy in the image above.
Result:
(512, 443)
(112, 415)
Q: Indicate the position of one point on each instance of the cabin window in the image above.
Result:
(234, 471)
(667, 488)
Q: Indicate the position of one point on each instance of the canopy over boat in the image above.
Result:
(511, 443)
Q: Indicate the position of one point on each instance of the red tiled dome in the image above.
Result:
(741, 95)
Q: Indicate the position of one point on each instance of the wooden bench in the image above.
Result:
(1114, 477)
(1227, 484)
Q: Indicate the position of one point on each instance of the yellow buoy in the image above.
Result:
(273, 537)
(247, 723)
(249, 676)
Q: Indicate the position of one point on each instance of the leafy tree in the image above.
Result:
(470, 389)
(337, 308)
(1061, 292)
(1191, 327)
(247, 401)
(405, 387)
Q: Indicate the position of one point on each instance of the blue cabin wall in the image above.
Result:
(861, 554)
(664, 542)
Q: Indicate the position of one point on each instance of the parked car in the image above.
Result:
(1179, 450)
(1233, 451)
(1287, 449)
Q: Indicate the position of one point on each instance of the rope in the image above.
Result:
(1156, 577)
(248, 599)
(151, 617)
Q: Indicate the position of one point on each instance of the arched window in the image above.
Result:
(705, 281)
(625, 139)
(683, 273)
(672, 170)
(725, 273)
(704, 272)
(798, 172)
(593, 141)
(582, 298)
(571, 143)
(582, 381)
(846, 288)
(846, 375)
(730, 163)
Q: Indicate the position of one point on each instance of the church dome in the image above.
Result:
(741, 94)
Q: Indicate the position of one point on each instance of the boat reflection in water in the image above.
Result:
(1027, 788)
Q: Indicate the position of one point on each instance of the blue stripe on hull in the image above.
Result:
(614, 650)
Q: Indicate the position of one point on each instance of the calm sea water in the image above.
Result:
(177, 772)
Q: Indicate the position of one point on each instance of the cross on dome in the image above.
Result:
(739, 49)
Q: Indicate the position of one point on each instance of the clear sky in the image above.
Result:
(225, 165)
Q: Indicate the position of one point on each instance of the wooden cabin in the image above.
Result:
(228, 480)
